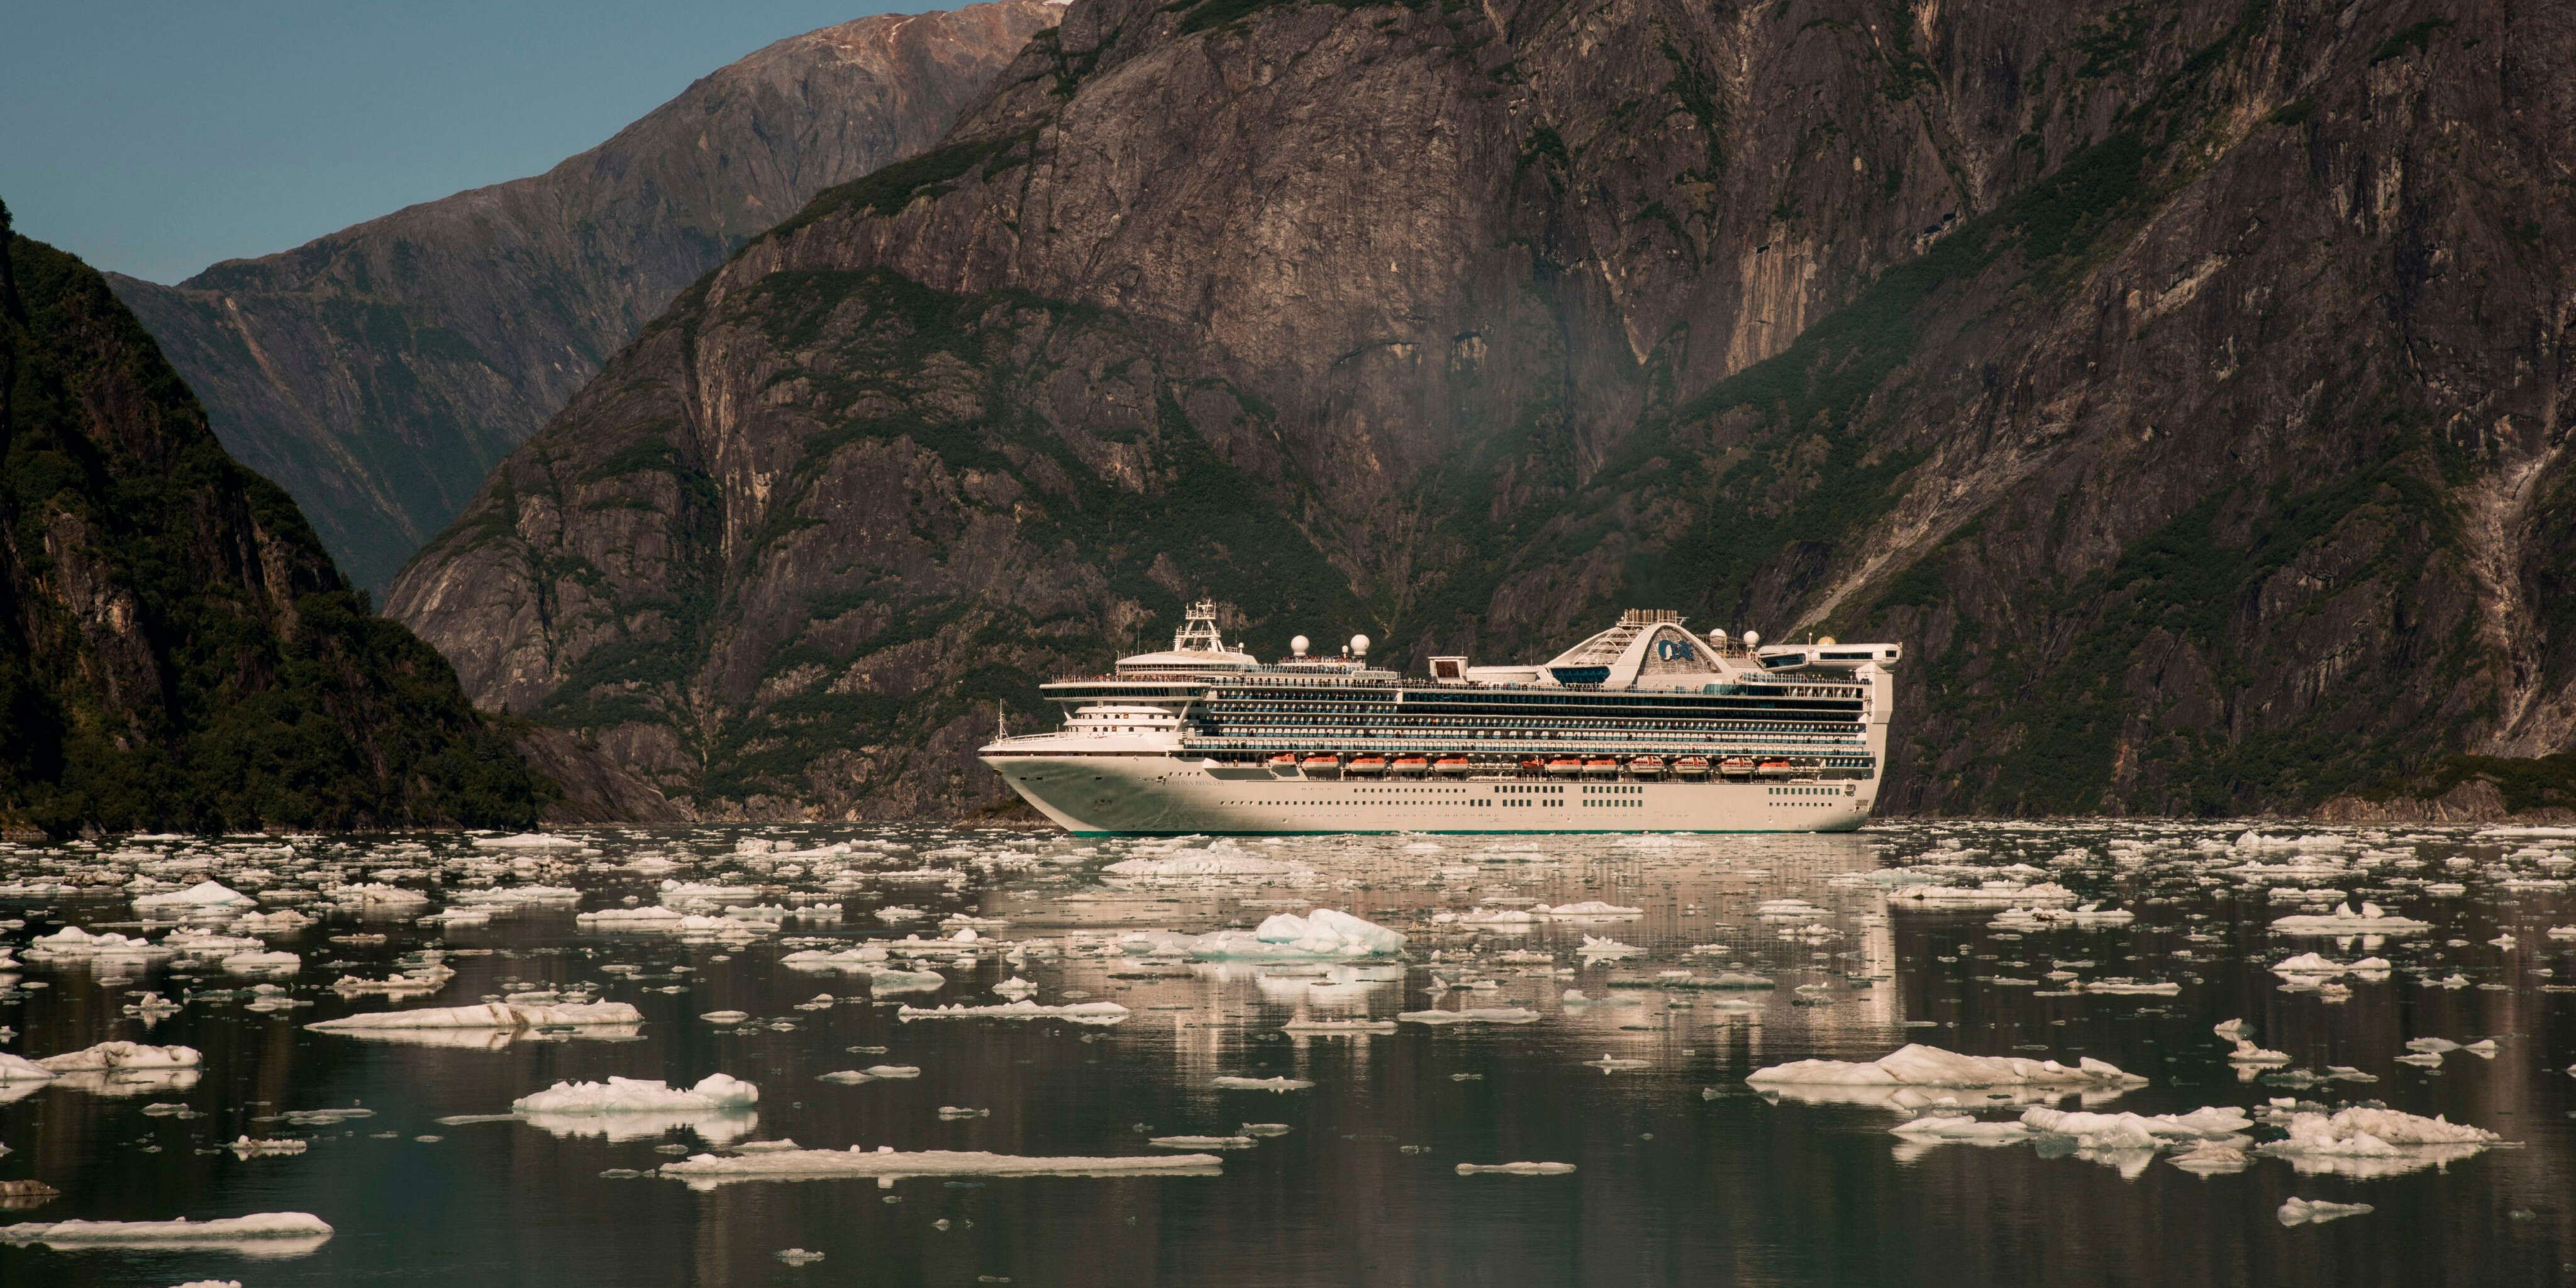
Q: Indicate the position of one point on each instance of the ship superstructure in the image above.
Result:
(1646, 726)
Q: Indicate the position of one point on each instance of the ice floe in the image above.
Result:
(488, 1015)
(885, 1163)
(1024, 1009)
(264, 1234)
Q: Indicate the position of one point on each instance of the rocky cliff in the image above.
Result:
(379, 372)
(176, 651)
(2181, 382)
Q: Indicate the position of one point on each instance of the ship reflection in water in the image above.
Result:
(1312, 1103)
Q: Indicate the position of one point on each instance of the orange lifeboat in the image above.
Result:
(1564, 767)
(1773, 767)
(1367, 764)
(1454, 766)
(1284, 760)
(1647, 766)
(1600, 767)
(1736, 767)
(1412, 766)
(1323, 763)
(1691, 766)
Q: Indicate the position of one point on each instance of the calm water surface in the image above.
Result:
(1683, 1173)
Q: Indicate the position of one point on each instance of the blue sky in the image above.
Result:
(155, 138)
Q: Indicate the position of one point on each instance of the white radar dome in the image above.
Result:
(1299, 645)
(1825, 642)
(1753, 639)
(1359, 645)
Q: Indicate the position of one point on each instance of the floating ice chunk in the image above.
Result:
(1204, 863)
(514, 896)
(1201, 1142)
(1992, 894)
(2124, 1130)
(1228, 1083)
(798, 1256)
(376, 895)
(1024, 1009)
(2484, 1048)
(1960, 1127)
(2212, 1158)
(1603, 948)
(2248, 1053)
(1322, 934)
(74, 942)
(2435, 1046)
(1589, 910)
(887, 1164)
(271, 1147)
(2232, 1030)
(2366, 1142)
(1925, 1066)
(15, 1068)
(284, 921)
(2371, 919)
(262, 964)
(2160, 988)
(111, 1057)
(714, 1093)
(2318, 1212)
(1014, 988)
(1473, 1015)
(1514, 1169)
(725, 1017)
(205, 896)
(526, 841)
(1609, 1063)
(2309, 966)
(264, 1234)
(488, 1015)
(1328, 1027)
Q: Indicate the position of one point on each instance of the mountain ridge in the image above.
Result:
(380, 371)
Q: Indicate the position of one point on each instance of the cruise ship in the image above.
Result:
(1645, 727)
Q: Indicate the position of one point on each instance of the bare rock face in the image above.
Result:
(2180, 382)
(379, 373)
(176, 650)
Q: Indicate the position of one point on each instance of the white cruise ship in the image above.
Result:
(1645, 727)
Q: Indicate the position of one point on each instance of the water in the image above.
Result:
(1684, 1174)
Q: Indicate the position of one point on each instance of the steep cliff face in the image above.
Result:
(379, 372)
(2179, 381)
(176, 651)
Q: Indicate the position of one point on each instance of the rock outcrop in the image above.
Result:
(378, 373)
(176, 650)
(2180, 382)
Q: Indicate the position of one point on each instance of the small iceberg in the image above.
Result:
(1260, 1084)
(1323, 934)
(1515, 1169)
(886, 1164)
(2318, 1211)
(1472, 1015)
(263, 1234)
(1024, 1009)
(714, 1093)
(2370, 920)
(488, 1015)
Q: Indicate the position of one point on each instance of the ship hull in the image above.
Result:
(1143, 794)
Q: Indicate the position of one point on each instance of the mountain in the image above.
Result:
(379, 372)
(2181, 383)
(176, 650)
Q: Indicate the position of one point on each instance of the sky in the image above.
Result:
(155, 138)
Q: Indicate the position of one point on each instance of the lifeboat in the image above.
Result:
(1283, 761)
(1564, 767)
(1323, 763)
(1736, 767)
(1773, 767)
(1647, 766)
(1691, 766)
(1533, 765)
(1412, 766)
(1454, 766)
(1600, 767)
(1366, 765)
